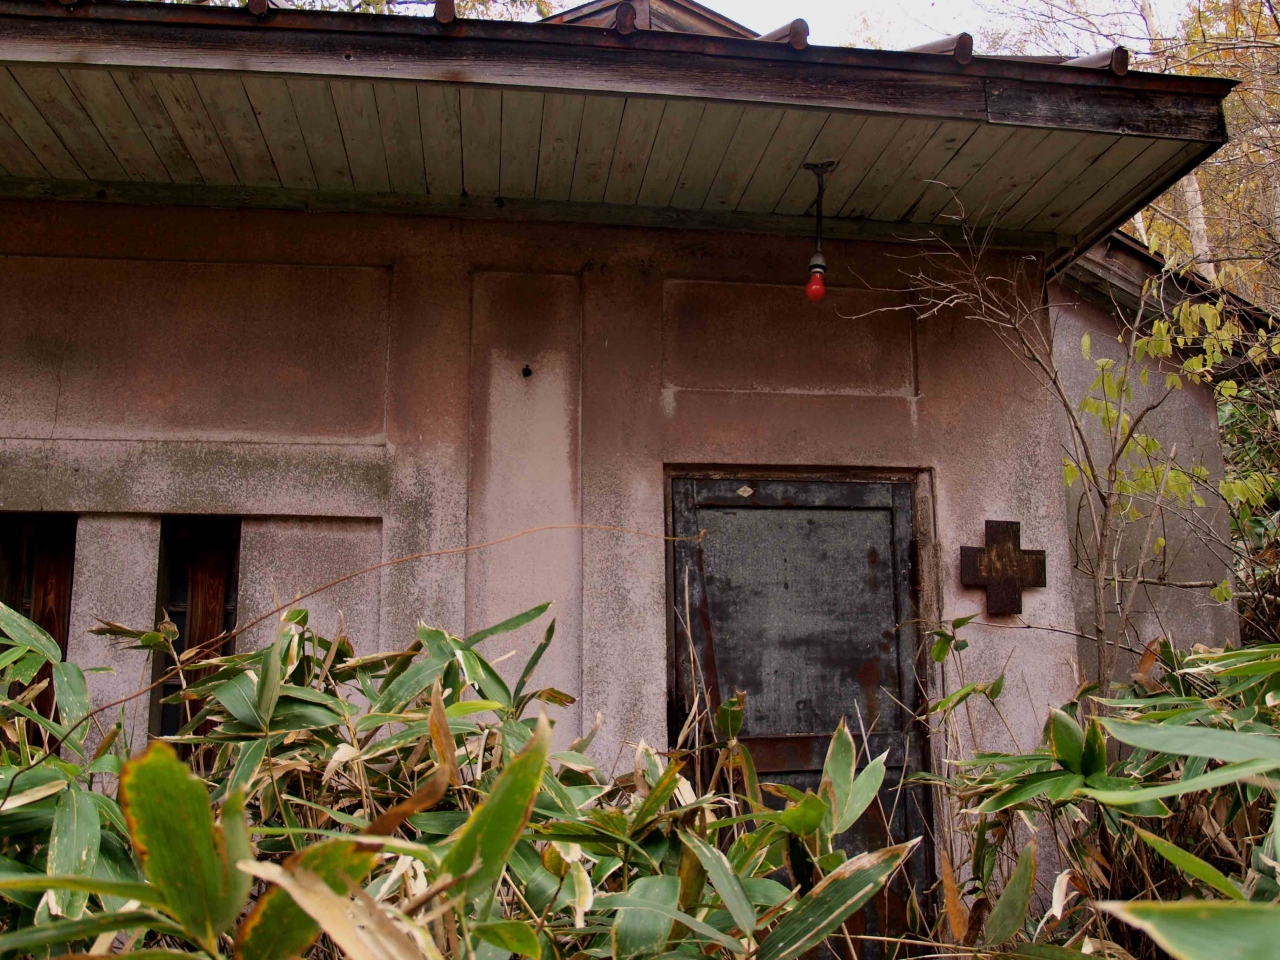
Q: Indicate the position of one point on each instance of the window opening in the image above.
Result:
(197, 590)
(37, 560)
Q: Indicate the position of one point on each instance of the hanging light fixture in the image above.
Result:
(816, 288)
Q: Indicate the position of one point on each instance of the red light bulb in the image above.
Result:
(815, 289)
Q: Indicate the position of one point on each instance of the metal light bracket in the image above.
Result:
(818, 263)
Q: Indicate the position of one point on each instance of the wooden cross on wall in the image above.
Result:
(1003, 567)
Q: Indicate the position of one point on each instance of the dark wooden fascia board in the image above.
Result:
(480, 53)
(1176, 115)
(319, 201)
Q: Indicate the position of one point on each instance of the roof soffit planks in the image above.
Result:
(175, 104)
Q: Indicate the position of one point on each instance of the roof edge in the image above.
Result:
(572, 35)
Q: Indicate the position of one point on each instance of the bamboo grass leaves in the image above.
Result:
(405, 807)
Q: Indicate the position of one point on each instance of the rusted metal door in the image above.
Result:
(799, 594)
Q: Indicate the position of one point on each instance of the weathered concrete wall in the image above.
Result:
(282, 558)
(384, 390)
(115, 579)
(526, 385)
(1188, 420)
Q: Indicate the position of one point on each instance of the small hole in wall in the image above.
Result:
(526, 372)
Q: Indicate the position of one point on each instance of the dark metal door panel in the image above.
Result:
(802, 613)
(798, 593)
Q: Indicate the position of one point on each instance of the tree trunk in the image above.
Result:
(1140, 226)
(1195, 223)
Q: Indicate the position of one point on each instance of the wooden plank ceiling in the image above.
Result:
(406, 139)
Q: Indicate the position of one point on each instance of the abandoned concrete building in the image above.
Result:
(287, 294)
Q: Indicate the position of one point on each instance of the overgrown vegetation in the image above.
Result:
(1159, 820)
(403, 805)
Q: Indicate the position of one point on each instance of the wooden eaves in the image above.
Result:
(987, 92)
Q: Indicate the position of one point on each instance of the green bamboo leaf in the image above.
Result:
(240, 698)
(1066, 740)
(72, 694)
(289, 691)
(248, 761)
(836, 897)
(299, 715)
(953, 700)
(116, 865)
(763, 891)
(1010, 911)
(144, 893)
(1205, 929)
(865, 788)
(1055, 784)
(270, 679)
(659, 794)
(110, 811)
(541, 886)
(395, 696)
(724, 880)
(532, 663)
(493, 827)
(26, 667)
(237, 846)
(511, 936)
(15, 871)
(1094, 759)
(617, 901)
(74, 842)
(181, 850)
(1190, 864)
(506, 626)
(29, 635)
(641, 933)
(1185, 741)
(27, 939)
(13, 655)
(804, 817)
(1174, 788)
(837, 776)
(486, 679)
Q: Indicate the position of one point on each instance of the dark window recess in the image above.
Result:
(800, 595)
(37, 557)
(199, 565)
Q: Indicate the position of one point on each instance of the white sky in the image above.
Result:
(894, 23)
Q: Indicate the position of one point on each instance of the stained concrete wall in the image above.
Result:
(114, 579)
(1186, 421)
(283, 558)
(383, 388)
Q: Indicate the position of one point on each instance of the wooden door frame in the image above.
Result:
(923, 600)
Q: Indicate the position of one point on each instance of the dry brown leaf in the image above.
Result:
(424, 799)
(957, 913)
(1148, 659)
(441, 737)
